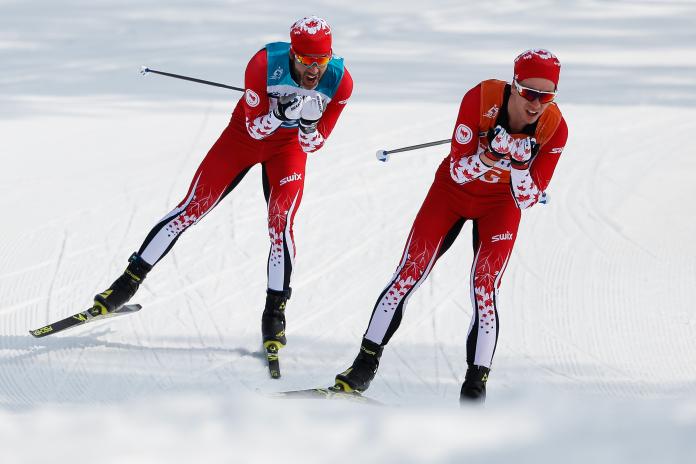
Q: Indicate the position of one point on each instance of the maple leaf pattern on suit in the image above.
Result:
(467, 168)
(201, 202)
(524, 190)
(419, 259)
(277, 220)
(263, 126)
(488, 268)
(310, 142)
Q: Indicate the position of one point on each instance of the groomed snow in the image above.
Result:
(597, 354)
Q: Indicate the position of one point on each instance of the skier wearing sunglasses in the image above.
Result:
(295, 93)
(506, 142)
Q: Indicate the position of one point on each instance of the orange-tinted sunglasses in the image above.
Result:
(533, 94)
(307, 60)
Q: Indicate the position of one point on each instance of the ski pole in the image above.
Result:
(383, 155)
(144, 70)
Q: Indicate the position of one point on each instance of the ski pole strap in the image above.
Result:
(144, 70)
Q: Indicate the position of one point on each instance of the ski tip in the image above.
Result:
(42, 332)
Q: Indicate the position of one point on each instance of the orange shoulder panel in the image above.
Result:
(492, 91)
(548, 123)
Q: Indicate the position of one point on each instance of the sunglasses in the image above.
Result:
(308, 61)
(533, 94)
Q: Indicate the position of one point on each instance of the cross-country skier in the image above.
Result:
(505, 146)
(294, 95)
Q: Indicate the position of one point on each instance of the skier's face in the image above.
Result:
(309, 69)
(521, 109)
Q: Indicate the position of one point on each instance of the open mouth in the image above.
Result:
(531, 113)
(310, 80)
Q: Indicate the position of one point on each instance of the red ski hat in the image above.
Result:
(537, 63)
(311, 36)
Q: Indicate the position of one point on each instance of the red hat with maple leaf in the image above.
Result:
(311, 36)
(537, 63)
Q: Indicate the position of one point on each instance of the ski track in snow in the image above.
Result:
(597, 351)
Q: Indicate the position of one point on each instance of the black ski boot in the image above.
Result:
(358, 376)
(124, 287)
(474, 386)
(273, 320)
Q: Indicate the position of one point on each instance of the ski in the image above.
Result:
(89, 315)
(335, 392)
(272, 358)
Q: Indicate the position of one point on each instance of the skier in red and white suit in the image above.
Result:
(505, 146)
(295, 93)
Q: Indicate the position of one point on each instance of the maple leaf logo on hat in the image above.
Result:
(537, 62)
(311, 36)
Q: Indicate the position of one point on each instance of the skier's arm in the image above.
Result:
(260, 121)
(465, 160)
(313, 136)
(529, 182)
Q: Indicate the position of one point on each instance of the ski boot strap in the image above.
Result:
(137, 268)
(370, 348)
(280, 293)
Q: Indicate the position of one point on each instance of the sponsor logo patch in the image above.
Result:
(492, 112)
(503, 236)
(277, 74)
(463, 134)
(252, 98)
(291, 178)
(556, 151)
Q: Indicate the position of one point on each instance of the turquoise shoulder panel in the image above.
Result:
(278, 72)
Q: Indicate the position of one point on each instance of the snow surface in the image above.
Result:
(597, 354)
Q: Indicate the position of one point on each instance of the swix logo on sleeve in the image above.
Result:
(463, 134)
(503, 236)
(252, 98)
(557, 151)
(291, 178)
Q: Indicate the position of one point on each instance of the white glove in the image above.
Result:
(522, 152)
(312, 110)
(289, 107)
(499, 143)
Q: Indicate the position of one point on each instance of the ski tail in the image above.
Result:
(272, 348)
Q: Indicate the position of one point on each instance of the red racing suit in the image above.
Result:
(466, 189)
(254, 136)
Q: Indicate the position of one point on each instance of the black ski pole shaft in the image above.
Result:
(383, 155)
(144, 70)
